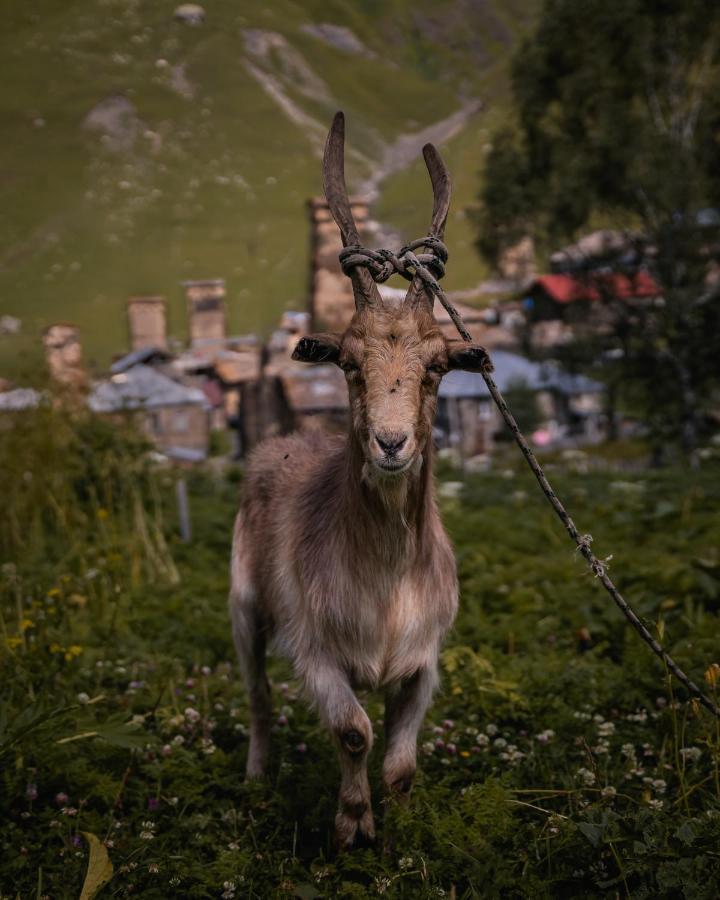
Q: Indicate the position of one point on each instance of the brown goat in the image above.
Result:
(339, 555)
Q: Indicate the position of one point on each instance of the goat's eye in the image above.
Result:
(349, 368)
(436, 369)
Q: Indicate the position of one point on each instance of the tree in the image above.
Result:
(617, 109)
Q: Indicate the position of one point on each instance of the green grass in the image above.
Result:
(554, 761)
(220, 190)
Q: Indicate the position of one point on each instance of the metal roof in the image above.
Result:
(141, 387)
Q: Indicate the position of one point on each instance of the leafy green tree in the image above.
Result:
(617, 119)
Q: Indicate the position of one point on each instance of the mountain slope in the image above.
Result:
(139, 151)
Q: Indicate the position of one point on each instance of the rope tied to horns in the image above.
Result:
(429, 268)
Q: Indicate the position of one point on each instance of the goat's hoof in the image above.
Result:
(354, 832)
(254, 772)
(399, 790)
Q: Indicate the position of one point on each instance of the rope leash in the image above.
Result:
(430, 267)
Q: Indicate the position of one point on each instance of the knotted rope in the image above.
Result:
(430, 267)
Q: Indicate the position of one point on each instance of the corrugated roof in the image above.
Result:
(511, 371)
(141, 387)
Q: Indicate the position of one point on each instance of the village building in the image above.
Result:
(569, 407)
(173, 416)
(16, 399)
(556, 305)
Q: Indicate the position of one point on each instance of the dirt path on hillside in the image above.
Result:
(407, 149)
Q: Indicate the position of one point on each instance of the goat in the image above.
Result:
(339, 556)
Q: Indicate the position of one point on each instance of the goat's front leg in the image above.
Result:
(405, 706)
(341, 711)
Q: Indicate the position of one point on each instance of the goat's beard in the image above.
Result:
(375, 476)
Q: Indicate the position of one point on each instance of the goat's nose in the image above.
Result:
(391, 441)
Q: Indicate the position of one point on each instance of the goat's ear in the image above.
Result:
(470, 357)
(318, 348)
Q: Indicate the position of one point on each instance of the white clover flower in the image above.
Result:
(147, 836)
(178, 740)
(482, 740)
(609, 791)
(83, 699)
(655, 804)
(491, 729)
(192, 715)
(691, 754)
(586, 776)
(544, 737)
(606, 729)
(500, 743)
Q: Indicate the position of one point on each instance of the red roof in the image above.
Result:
(566, 288)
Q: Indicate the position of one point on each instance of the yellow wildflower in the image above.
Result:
(73, 651)
(26, 623)
(54, 592)
(712, 674)
(102, 513)
(13, 642)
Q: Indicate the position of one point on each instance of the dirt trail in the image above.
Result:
(279, 69)
(408, 147)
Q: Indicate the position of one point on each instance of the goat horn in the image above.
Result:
(364, 288)
(440, 180)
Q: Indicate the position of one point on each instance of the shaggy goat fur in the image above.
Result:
(339, 558)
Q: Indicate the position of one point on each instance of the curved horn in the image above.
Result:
(364, 288)
(440, 180)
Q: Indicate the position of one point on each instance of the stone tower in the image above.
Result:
(331, 303)
(206, 311)
(147, 323)
(63, 353)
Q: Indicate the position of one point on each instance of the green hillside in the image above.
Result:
(139, 151)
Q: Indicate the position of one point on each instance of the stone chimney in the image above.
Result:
(206, 311)
(63, 353)
(331, 304)
(146, 320)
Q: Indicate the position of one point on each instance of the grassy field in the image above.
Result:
(557, 761)
(204, 174)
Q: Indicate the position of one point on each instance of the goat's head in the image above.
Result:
(393, 354)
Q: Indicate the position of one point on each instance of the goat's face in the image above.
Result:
(393, 361)
(393, 358)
